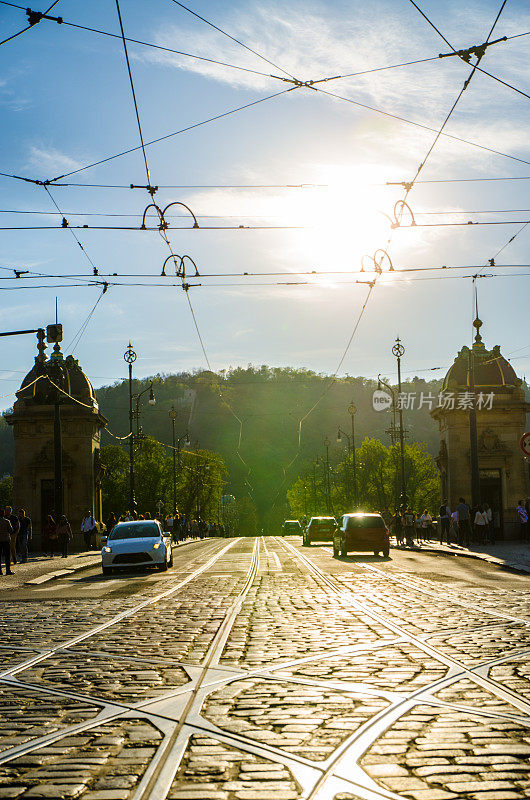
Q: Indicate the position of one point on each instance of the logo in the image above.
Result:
(381, 400)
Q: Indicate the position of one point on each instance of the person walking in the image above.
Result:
(409, 521)
(88, 527)
(6, 530)
(464, 522)
(64, 535)
(481, 525)
(24, 535)
(523, 519)
(49, 536)
(426, 525)
(489, 516)
(15, 525)
(445, 519)
(111, 522)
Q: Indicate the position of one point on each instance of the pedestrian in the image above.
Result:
(464, 522)
(481, 525)
(489, 516)
(426, 525)
(15, 525)
(409, 521)
(49, 536)
(24, 535)
(445, 518)
(454, 527)
(6, 530)
(396, 527)
(88, 529)
(64, 535)
(111, 522)
(523, 519)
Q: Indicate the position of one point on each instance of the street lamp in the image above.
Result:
(398, 350)
(351, 451)
(151, 401)
(328, 487)
(130, 357)
(176, 453)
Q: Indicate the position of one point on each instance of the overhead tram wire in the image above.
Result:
(174, 133)
(418, 125)
(237, 41)
(31, 24)
(72, 347)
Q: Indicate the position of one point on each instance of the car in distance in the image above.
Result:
(320, 529)
(366, 533)
(291, 527)
(140, 543)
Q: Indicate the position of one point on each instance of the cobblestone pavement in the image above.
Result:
(261, 670)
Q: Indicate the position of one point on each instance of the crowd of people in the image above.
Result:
(180, 526)
(462, 525)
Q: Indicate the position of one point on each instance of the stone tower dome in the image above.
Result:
(501, 410)
(50, 380)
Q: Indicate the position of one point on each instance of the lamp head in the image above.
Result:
(339, 437)
(351, 409)
(173, 413)
(326, 442)
(152, 400)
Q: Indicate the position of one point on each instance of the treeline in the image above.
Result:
(252, 418)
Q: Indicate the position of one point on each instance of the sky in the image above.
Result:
(66, 103)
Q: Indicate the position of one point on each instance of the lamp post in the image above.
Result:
(398, 350)
(351, 452)
(173, 416)
(351, 412)
(473, 435)
(130, 357)
(328, 487)
(136, 398)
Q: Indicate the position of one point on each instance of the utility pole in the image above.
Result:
(351, 411)
(173, 416)
(473, 436)
(130, 357)
(398, 350)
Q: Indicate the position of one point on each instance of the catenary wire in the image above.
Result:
(31, 25)
(72, 347)
(131, 82)
(237, 41)
(420, 125)
(176, 133)
(71, 231)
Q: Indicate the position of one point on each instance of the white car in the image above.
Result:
(140, 543)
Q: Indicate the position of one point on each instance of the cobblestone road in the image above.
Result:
(260, 670)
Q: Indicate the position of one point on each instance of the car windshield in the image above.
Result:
(365, 522)
(323, 523)
(134, 530)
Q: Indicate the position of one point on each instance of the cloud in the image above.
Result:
(50, 161)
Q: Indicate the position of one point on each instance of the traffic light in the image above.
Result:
(54, 333)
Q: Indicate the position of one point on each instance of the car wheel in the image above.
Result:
(343, 551)
(386, 552)
(171, 560)
(376, 552)
(163, 566)
(107, 570)
(335, 551)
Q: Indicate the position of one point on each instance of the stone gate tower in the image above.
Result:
(504, 476)
(33, 427)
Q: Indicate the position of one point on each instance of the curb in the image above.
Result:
(478, 557)
(51, 576)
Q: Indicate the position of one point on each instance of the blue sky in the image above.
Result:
(65, 102)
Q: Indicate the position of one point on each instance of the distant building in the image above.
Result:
(501, 411)
(81, 423)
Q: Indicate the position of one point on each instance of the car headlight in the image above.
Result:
(157, 545)
(107, 549)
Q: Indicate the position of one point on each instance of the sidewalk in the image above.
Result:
(40, 569)
(515, 555)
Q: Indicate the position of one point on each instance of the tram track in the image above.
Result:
(356, 745)
(179, 713)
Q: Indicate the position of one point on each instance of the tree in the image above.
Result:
(115, 479)
(6, 491)
(378, 481)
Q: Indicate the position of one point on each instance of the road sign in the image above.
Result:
(525, 444)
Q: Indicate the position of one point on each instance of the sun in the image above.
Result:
(344, 221)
